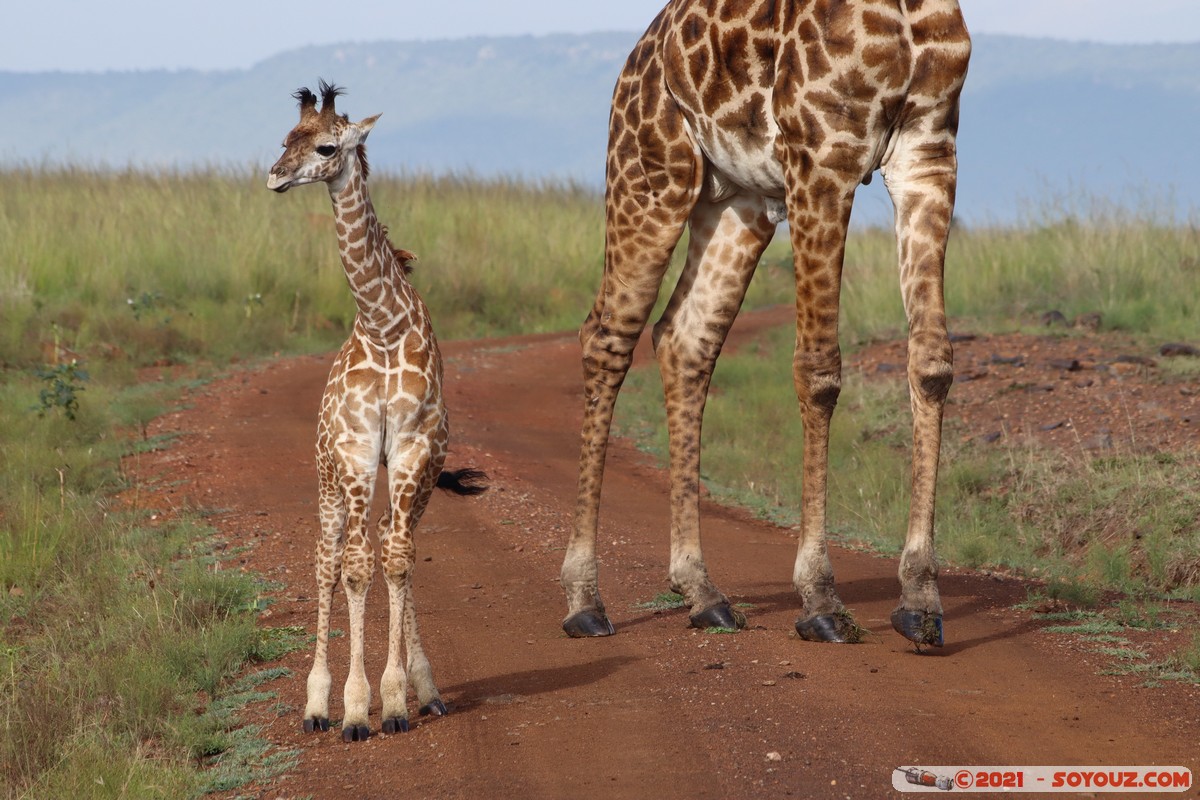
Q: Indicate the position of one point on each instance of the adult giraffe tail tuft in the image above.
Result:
(463, 481)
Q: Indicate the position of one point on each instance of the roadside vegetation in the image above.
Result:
(124, 643)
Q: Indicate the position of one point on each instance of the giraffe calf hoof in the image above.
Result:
(919, 627)
(393, 725)
(435, 707)
(839, 628)
(312, 724)
(722, 615)
(588, 622)
(355, 733)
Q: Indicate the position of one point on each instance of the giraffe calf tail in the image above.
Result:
(463, 481)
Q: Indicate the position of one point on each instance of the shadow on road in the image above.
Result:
(510, 688)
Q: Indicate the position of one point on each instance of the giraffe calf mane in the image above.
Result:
(361, 151)
(403, 257)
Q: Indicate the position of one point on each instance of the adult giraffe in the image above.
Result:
(731, 116)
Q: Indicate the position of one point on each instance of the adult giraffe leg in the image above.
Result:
(726, 240)
(921, 178)
(654, 179)
(818, 215)
(608, 336)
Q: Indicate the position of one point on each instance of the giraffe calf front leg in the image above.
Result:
(316, 709)
(393, 687)
(328, 573)
(357, 570)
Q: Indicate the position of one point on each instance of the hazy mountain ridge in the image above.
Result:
(999, 60)
(1038, 115)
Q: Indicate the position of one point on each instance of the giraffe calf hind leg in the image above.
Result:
(316, 714)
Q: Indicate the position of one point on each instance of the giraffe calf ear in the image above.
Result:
(365, 126)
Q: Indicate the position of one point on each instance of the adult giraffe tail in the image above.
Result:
(463, 481)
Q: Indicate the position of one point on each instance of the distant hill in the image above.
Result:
(1040, 117)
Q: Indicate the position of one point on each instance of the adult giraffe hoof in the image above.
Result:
(393, 725)
(588, 622)
(435, 707)
(722, 615)
(919, 627)
(839, 628)
(355, 733)
(312, 724)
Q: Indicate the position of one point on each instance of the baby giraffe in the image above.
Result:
(382, 405)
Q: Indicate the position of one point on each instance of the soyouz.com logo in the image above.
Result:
(1041, 779)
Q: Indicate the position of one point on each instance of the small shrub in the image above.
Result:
(61, 385)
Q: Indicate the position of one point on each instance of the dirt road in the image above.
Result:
(659, 710)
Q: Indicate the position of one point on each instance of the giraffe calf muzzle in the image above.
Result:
(277, 183)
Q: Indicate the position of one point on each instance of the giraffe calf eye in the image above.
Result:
(325, 150)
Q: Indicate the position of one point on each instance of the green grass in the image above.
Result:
(144, 268)
(1183, 665)
(664, 601)
(1137, 272)
(1106, 630)
(113, 650)
(1095, 625)
(163, 268)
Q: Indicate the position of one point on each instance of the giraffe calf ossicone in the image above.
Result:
(382, 405)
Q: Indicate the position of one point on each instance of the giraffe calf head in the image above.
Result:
(322, 145)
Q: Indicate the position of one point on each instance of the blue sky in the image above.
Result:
(90, 36)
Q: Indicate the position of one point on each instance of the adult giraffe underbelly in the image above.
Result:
(738, 162)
